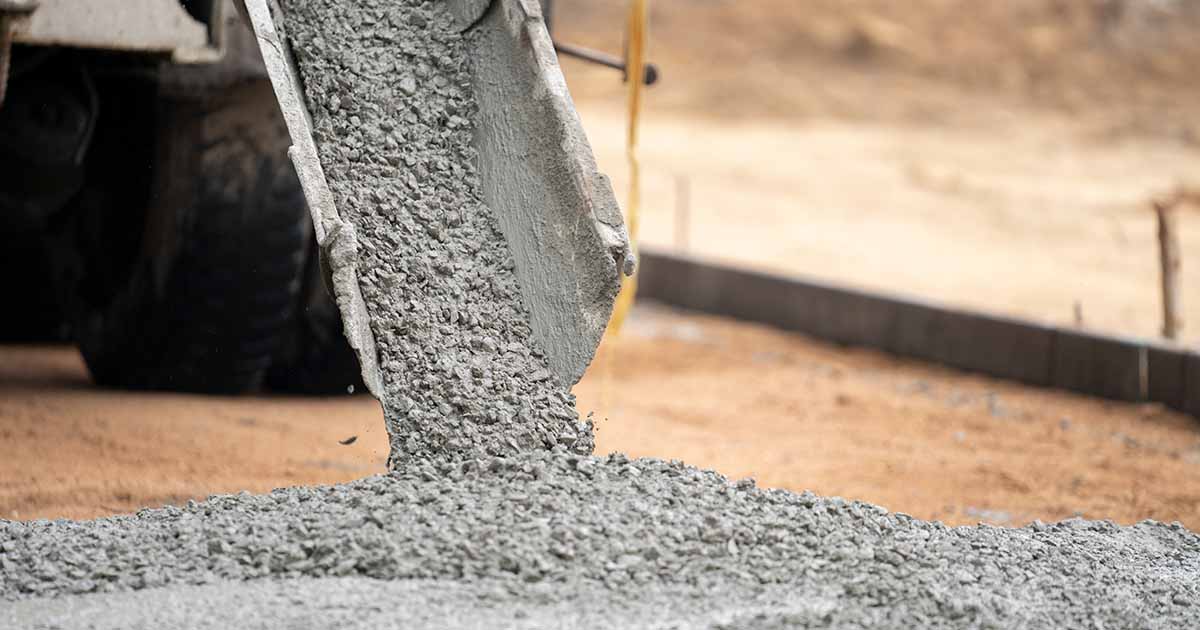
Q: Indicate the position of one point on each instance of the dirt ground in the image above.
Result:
(1000, 157)
(742, 399)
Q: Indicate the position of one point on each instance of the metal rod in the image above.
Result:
(604, 59)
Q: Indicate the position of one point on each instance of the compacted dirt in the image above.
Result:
(71, 450)
(744, 400)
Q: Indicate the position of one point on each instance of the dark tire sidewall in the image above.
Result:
(218, 269)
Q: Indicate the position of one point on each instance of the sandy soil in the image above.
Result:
(936, 443)
(69, 449)
(981, 162)
(742, 399)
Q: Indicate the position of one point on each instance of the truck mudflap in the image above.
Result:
(557, 211)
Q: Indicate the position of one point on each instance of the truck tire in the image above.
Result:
(215, 279)
(46, 123)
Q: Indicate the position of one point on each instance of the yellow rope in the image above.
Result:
(635, 64)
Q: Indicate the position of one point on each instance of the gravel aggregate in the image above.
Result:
(389, 90)
(556, 528)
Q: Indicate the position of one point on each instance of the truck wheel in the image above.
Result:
(204, 302)
(46, 122)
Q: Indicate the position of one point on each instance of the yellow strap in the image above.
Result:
(635, 65)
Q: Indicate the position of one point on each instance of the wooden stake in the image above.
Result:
(1170, 263)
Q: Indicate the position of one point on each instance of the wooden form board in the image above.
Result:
(1119, 368)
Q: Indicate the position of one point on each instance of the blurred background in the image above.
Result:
(999, 157)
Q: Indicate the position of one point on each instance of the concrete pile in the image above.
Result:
(544, 538)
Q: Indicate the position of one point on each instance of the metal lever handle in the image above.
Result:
(594, 56)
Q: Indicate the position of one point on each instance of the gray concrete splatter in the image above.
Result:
(549, 528)
(389, 91)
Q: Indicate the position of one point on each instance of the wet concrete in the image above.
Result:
(548, 531)
(463, 372)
